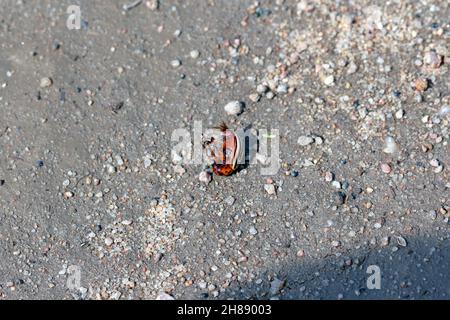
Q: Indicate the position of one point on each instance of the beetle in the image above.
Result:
(223, 151)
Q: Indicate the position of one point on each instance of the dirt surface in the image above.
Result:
(95, 205)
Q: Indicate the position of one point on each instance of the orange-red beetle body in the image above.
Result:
(224, 152)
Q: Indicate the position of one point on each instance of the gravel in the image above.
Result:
(89, 182)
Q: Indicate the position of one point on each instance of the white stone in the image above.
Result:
(261, 88)
(390, 146)
(305, 140)
(46, 82)
(205, 177)
(194, 54)
(329, 80)
(270, 188)
(109, 241)
(253, 230)
(336, 184)
(175, 63)
(233, 108)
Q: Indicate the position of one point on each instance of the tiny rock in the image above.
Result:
(46, 82)
(261, 88)
(432, 59)
(230, 200)
(434, 163)
(147, 162)
(390, 146)
(194, 54)
(438, 169)
(335, 243)
(164, 296)
(205, 177)
(276, 286)
(385, 241)
(152, 4)
(328, 80)
(178, 169)
(253, 231)
(305, 140)
(421, 84)
(399, 114)
(68, 194)
(401, 241)
(385, 168)
(282, 88)
(339, 198)
(111, 169)
(234, 108)
(269, 188)
(270, 95)
(336, 184)
(254, 97)
(352, 68)
(109, 241)
(175, 63)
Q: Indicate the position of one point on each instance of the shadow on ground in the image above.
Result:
(417, 271)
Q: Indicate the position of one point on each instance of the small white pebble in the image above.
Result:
(270, 95)
(254, 97)
(205, 177)
(233, 107)
(329, 80)
(336, 184)
(335, 243)
(260, 88)
(194, 54)
(390, 146)
(68, 194)
(305, 140)
(329, 176)
(152, 4)
(175, 63)
(385, 168)
(46, 82)
(399, 114)
(109, 241)
(110, 169)
(434, 163)
(253, 231)
(269, 188)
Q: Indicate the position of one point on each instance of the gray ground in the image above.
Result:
(87, 181)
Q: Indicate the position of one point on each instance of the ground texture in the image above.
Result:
(90, 190)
